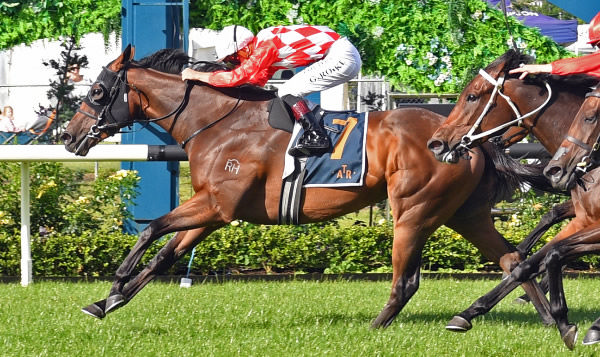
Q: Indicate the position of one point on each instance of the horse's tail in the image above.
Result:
(511, 174)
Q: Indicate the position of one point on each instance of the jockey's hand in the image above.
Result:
(526, 69)
(190, 74)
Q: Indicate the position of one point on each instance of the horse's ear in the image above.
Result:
(131, 52)
(128, 53)
(125, 57)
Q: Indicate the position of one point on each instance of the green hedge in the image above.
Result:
(77, 225)
(241, 247)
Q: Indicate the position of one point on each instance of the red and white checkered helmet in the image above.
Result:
(595, 29)
(231, 39)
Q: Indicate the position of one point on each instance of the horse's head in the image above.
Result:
(579, 151)
(104, 110)
(487, 107)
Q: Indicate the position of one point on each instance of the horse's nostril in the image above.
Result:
(66, 138)
(552, 171)
(436, 146)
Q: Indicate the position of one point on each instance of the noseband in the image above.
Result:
(468, 140)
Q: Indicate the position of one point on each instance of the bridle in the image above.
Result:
(470, 138)
(110, 107)
(592, 159)
(113, 109)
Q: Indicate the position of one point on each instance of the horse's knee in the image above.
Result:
(523, 272)
(552, 258)
(509, 261)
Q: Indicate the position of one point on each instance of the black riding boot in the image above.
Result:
(314, 140)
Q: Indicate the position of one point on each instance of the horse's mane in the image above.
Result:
(170, 60)
(510, 59)
(574, 83)
(577, 83)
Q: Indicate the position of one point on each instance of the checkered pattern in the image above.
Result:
(278, 48)
(298, 45)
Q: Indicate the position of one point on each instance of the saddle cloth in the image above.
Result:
(345, 163)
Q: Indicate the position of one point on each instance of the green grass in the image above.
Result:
(279, 319)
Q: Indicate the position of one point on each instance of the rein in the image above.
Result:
(208, 126)
(471, 137)
(107, 99)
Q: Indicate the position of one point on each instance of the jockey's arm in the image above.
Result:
(254, 70)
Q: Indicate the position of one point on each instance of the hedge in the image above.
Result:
(242, 247)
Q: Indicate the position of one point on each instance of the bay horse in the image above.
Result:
(218, 124)
(578, 153)
(489, 104)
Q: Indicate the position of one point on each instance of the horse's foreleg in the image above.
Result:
(192, 214)
(406, 261)
(177, 247)
(558, 303)
(478, 228)
(584, 242)
(525, 271)
(557, 214)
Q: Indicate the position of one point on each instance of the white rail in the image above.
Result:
(28, 153)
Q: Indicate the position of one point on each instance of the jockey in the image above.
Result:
(588, 64)
(331, 60)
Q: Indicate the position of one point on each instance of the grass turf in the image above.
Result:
(296, 318)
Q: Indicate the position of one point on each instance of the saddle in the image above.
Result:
(281, 116)
(342, 166)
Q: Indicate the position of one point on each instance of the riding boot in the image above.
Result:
(314, 140)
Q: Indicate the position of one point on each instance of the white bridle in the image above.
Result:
(470, 137)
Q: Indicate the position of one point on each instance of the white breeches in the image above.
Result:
(341, 63)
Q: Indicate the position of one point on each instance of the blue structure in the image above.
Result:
(583, 9)
(151, 25)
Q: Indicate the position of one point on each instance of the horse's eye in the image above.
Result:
(472, 98)
(591, 119)
(97, 93)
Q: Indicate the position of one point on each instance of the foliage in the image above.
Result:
(29, 20)
(420, 46)
(61, 90)
(60, 205)
(97, 248)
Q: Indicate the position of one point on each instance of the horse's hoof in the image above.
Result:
(570, 337)
(114, 302)
(521, 301)
(96, 309)
(459, 324)
(385, 318)
(592, 336)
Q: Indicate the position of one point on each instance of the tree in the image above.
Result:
(61, 89)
